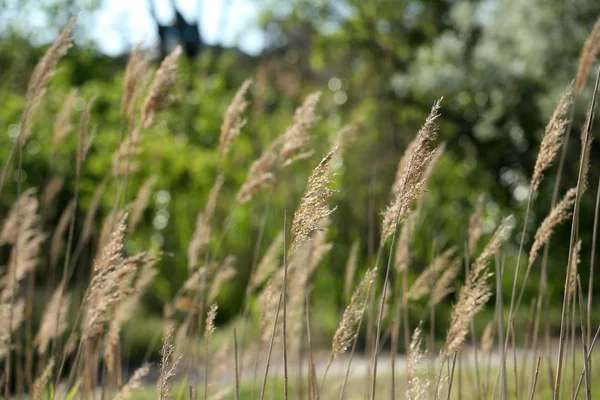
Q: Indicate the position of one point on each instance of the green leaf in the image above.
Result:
(181, 392)
(73, 391)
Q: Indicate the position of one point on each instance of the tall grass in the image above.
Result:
(79, 348)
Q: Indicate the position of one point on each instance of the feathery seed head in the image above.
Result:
(588, 55)
(553, 138)
(164, 81)
(411, 182)
(346, 330)
(561, 212)
(233, 122)
(313, 207)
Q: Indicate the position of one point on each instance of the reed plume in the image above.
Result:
(553, 138)
(428, 277)
(560, 213)
(588, 55)
(209, 327)
(487, 338)
(125, 309)
(8, 308)
(443, 285)
(476, 292)
(301, 267)
(42, 380)
(475, 225)
(573, 270)
(167, 366)
(54, 320)
(140, 203)
(109, 286)
(286, 149)
(58, 238)
(297, 136)
(51, 190)
(42, 74)
(351, 265)
(164, 81)
(21, 230)
(269, 263)
(88, 223)
(402, 256)
(347, 329)
(410, 184)
(268, 300)
(418, 386)
(134, 383)
(233, 122)
(313, 205)
(202, 233)
(224, 274)
(63, 125)
(134, 79)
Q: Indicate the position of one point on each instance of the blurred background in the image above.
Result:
(499, 65)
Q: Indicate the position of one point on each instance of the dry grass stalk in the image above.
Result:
(286, 149)
(297, 136)
(233, 122)
(167, 366)
(351, 266)
(209, 327)
(141, 202)
(42, 381)
(43, 72)
(268, 300)
(553, 138)
(313, 207)
(22, 230)
(7, 328)
(110, 285)
(586, 148)
(202, 233)
(125, 309)
(343, 139)
(573, 270)
(428, 277)
(400, 170)
(588, 55)
(88, 223)
(134, 79)
(164, 81)
(51, 190)
(418, 386)
(560, 213)
(134, 383)
(252, 187)
(410, 183)
(475, 293)
(403, 252)
(123, 162)
(224, 274)
(63, 125)
(58, 243)
(301, 267)
(347, 329)
(443, 284)
(487, 338)
(54, 320)
(269, 263)
(475, 225)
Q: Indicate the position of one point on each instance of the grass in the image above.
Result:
(85, 354)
